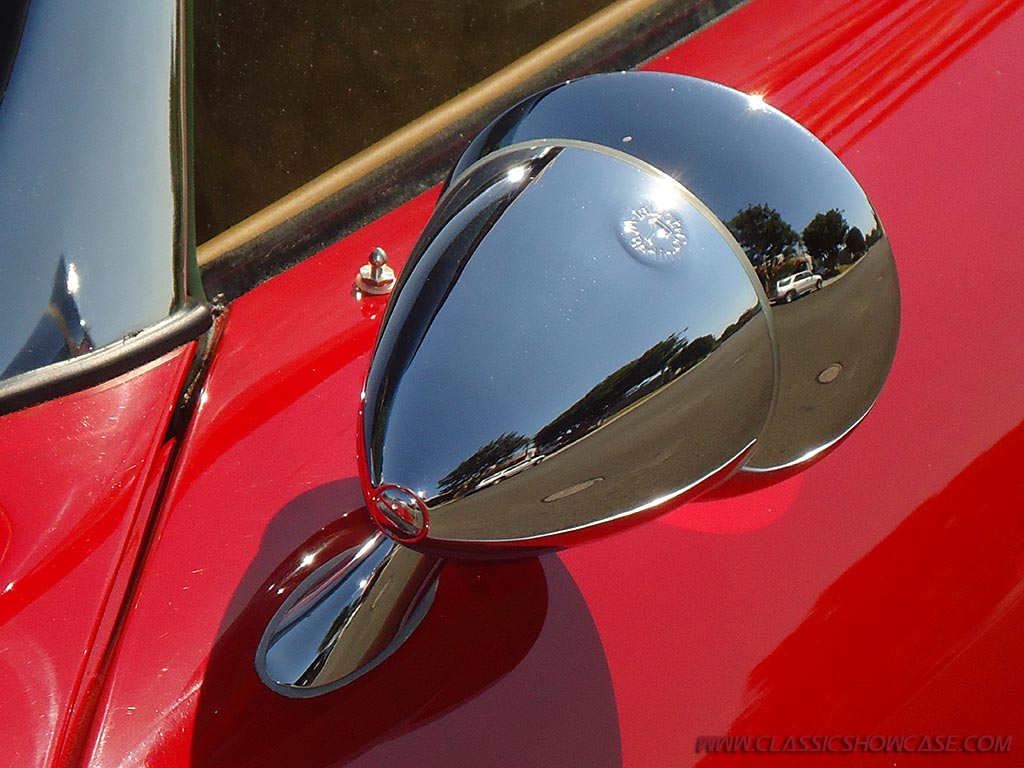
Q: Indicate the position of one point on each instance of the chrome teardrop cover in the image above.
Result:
(594, 323)
(583, 341)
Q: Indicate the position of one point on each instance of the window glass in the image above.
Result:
(87, 204)
(284, 91)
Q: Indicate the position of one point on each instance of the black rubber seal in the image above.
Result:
(63, 378)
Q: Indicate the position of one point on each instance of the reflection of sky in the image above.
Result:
(85, 167)
(729, 151)
(552, 302)
(808, 183)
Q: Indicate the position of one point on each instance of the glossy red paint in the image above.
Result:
(79, 479)
(879, 591)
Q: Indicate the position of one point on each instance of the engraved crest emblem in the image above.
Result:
(652, 235)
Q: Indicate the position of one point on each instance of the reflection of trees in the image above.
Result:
(497, 454)
(512, 452)
(824, 237)
(774, 247)
(856, 245)
(650, 368)
(763, 235)
(740, 322)
(665, 361)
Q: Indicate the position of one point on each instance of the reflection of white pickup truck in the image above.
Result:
(529, 459)
(788, 288)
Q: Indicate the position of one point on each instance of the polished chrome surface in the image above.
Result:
(571, 314)
(788, 201)
(346, 617)
(605, 315)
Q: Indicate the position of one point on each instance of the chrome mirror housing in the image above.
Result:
(584, 343)
(600, 322)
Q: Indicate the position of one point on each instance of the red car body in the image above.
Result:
(878, 592)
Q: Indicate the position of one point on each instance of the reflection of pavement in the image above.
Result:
(853, 320)
(688, 429)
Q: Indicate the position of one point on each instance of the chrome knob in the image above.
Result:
(376, 277)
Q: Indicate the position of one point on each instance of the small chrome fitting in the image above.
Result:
(376, 277)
